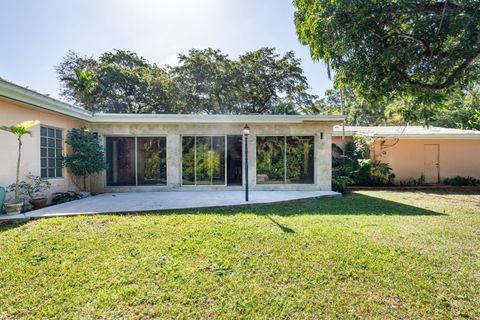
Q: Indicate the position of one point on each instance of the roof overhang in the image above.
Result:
(473, 135)
(112, 118)
(449, 136)
(17, 93)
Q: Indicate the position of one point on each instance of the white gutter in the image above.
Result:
(440, 136)
(427, 136)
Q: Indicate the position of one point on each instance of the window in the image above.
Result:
(136, 161)
(203, 160)
(51, 152)
(285, 160)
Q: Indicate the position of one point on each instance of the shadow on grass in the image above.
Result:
(354, 204)
(281, 226)
(7, 225)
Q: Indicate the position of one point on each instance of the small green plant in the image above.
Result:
(461, 181)
(413, 182)
(62, 197)
(32, 188)
(340, 183)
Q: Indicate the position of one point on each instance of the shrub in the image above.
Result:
(413, 182)
(340, 183)
(62, 197)
(87, 154)
(353, 162)
(33, 188)
(461, 181)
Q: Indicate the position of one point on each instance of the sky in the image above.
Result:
(35, 35)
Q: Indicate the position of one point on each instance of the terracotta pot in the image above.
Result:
(14, 208)
(38, 203)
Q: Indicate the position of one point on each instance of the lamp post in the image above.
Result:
(246, 132)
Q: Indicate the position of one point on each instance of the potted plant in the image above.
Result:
(33, 190)
(19, 130)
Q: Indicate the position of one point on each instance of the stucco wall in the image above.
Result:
(457, 157)
(173, 132)
(12, 113)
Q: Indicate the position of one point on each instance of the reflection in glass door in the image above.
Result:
(136, 161)
(203, 160)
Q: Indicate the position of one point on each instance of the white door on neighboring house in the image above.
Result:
(431, 163)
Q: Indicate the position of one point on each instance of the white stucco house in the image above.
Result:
(166, 152)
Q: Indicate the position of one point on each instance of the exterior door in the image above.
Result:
(431, 163)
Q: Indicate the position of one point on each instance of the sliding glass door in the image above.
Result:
(285, 160)
(136, 161)
(121, 161)
(203, 160)
(152, 161)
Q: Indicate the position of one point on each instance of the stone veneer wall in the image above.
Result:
(173, 132)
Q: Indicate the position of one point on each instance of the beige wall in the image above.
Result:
(173, 133)
(457, 157)
(12, 113)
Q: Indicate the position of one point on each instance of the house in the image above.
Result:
(160, 152)
(412, 151)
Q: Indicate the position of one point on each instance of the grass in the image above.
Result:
(373, 254)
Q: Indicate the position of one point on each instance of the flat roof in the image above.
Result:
(407, 132)
(209, 118)
(18, 93)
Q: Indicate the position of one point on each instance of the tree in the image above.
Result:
(461, 110)
(357, 111)
(387, 49)
(207, 82)
(118, 81)
(87, 155)
(268, 79)
(19, 130)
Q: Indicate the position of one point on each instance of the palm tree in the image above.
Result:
(19, 130)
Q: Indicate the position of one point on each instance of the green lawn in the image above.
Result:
(373, 254)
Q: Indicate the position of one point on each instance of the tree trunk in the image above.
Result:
(17, 196)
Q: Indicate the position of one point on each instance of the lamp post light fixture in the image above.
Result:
(246, 132)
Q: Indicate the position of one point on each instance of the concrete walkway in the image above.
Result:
(151, 201)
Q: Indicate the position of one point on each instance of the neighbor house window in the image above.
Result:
(285, 159)
(51, 152)
(136, 161)
(203, 160)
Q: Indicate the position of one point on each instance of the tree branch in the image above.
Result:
(451, 78)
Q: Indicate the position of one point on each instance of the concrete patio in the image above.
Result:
(157, 201)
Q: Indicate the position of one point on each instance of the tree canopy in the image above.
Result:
(390, 49)
(205, 81)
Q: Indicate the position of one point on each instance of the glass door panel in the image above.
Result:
(217, 161)
(270, 160)
(188, 160)
(204, 160)
(300, 159)
(121, 161)
(152, 160)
